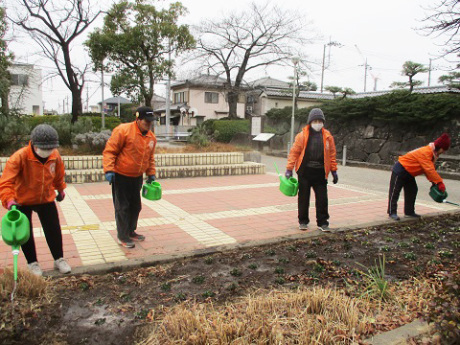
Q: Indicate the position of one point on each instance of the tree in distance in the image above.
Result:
(135, 43)
(54, 26)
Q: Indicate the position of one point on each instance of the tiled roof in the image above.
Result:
(302, 95)
(423, 90)
(287, 92)
(268, 82)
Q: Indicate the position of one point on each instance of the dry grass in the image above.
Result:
(29, 285)
(314, 316)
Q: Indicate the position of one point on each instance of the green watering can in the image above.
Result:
(439, 196)
(152, 191)
(15, 232)
(288, 186)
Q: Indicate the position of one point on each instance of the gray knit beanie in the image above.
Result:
(316, 114)
(44, 137)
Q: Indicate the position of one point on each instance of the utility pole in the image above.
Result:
(323, 66)
(365, 75)
(168, 95)
(366, 66)
(429, 73)
(102, 101)
(295, 61)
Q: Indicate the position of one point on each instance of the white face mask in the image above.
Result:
(317, 126)
(43, 153)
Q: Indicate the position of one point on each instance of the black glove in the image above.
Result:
(288, 174)
(335, 177)
(151, 178)
(60, 196)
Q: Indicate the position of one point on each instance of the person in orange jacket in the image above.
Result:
(313, 155)
(414, 163)
(128, 154)
(29, 181)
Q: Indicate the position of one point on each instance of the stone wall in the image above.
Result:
(380, 143)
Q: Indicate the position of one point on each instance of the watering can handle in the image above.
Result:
(276, 167)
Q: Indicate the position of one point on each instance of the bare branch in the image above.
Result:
(54, 25)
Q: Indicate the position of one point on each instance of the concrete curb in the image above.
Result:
(399, 336)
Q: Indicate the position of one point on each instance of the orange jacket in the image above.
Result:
(30, 182)
(421, 161)
(298, 151)
(128, 152)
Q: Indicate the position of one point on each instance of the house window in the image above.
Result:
(180, 97)
(19, 79)
(276, 104)
(211, 97)
(36, 109)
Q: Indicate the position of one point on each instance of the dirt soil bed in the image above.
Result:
(115, 308)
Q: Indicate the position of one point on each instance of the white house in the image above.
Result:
(26, 89)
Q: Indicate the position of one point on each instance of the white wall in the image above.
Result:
(210, 110)
(27, 99)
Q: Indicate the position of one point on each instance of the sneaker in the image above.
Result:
(324, 228)
(62, 266)
(126, 244)
(413, 215)
(137, 237)
(303, 227)
(394, 216)
(35, 269)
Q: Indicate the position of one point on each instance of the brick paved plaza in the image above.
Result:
(197, 213)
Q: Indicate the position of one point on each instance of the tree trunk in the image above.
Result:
(77, 107)
(4, 98)
(232, 104)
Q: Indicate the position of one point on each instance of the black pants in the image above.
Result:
(400, 179)
(127, 202)
(49, 218)
(313, 178)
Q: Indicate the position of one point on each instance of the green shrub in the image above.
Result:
(199, 136)
(224, 130)
(399, 106)
(14, 134)
(110, 122)
(93, 142)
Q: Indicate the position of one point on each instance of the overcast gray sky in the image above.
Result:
(384, 32)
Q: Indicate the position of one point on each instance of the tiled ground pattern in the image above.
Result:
(194, 213)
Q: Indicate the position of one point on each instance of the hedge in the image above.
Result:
(224, 130)
(397, 107)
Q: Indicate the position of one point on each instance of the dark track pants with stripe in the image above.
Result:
(399, 180)
(49, 219)
(127, 203)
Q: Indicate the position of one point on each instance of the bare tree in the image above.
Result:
(261, 36)
(54, 25)
(445, 20)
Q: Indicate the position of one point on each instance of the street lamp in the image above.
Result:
(295, 60)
